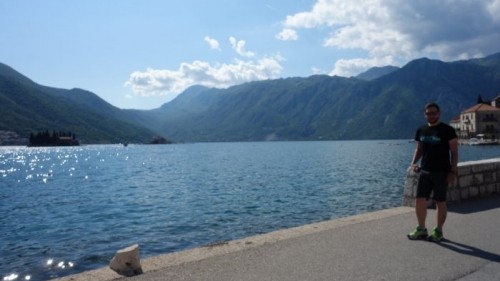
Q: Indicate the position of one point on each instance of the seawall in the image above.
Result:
(475, 179)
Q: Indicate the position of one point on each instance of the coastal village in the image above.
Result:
(479, 124)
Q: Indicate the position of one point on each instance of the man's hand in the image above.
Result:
(415, 168)
(452, 179)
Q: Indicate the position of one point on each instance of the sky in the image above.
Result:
(140, 54)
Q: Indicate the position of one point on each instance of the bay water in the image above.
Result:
(64, 210)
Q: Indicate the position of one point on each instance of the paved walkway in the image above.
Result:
(371, 246)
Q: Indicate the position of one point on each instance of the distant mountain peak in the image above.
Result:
(376, 72)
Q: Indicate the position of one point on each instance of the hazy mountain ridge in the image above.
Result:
(376, 72)
(320, 107)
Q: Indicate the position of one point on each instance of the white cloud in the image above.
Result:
(154, 82)
(239, 47)
(287, 34)
(494, 10)
(404, 30)
(170, 83)
(214, 44)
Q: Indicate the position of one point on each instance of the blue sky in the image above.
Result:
(142, 53)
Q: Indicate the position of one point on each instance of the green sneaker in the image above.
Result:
(436, 235)
(418, 233)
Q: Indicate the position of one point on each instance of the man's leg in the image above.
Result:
(440, 191)
(423, 193)
(442, 212)
(421, 211)
(420, 231)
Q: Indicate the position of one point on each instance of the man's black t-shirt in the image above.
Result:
(436, 149)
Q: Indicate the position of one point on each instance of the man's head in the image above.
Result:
(432, 113)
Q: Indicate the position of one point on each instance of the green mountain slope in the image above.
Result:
(28, 107)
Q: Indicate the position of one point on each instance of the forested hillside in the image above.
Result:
(330, 108)
(383, 103)
(28, 107)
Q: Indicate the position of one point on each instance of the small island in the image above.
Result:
(56, 139)
(159, 140)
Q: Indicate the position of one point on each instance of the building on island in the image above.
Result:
(56, 139)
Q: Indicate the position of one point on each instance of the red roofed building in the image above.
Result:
(480, 121)
(455, 123)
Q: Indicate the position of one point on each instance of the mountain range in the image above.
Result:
(28, 107)
(382, 103)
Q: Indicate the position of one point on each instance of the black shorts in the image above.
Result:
(432, 181)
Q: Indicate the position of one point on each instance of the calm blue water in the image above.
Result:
(66, 210)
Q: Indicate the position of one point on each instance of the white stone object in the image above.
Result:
(127, 262)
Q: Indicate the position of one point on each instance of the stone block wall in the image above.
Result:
(475, 179)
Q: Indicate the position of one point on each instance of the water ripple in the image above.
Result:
(66, 210)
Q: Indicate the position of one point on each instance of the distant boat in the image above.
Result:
(481, 141)
(159, 140)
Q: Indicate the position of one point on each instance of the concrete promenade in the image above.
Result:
(370, 246)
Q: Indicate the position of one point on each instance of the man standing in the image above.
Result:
(437, 148)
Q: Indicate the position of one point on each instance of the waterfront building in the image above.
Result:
(481, 121)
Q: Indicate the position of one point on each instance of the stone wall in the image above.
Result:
(475, 179)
